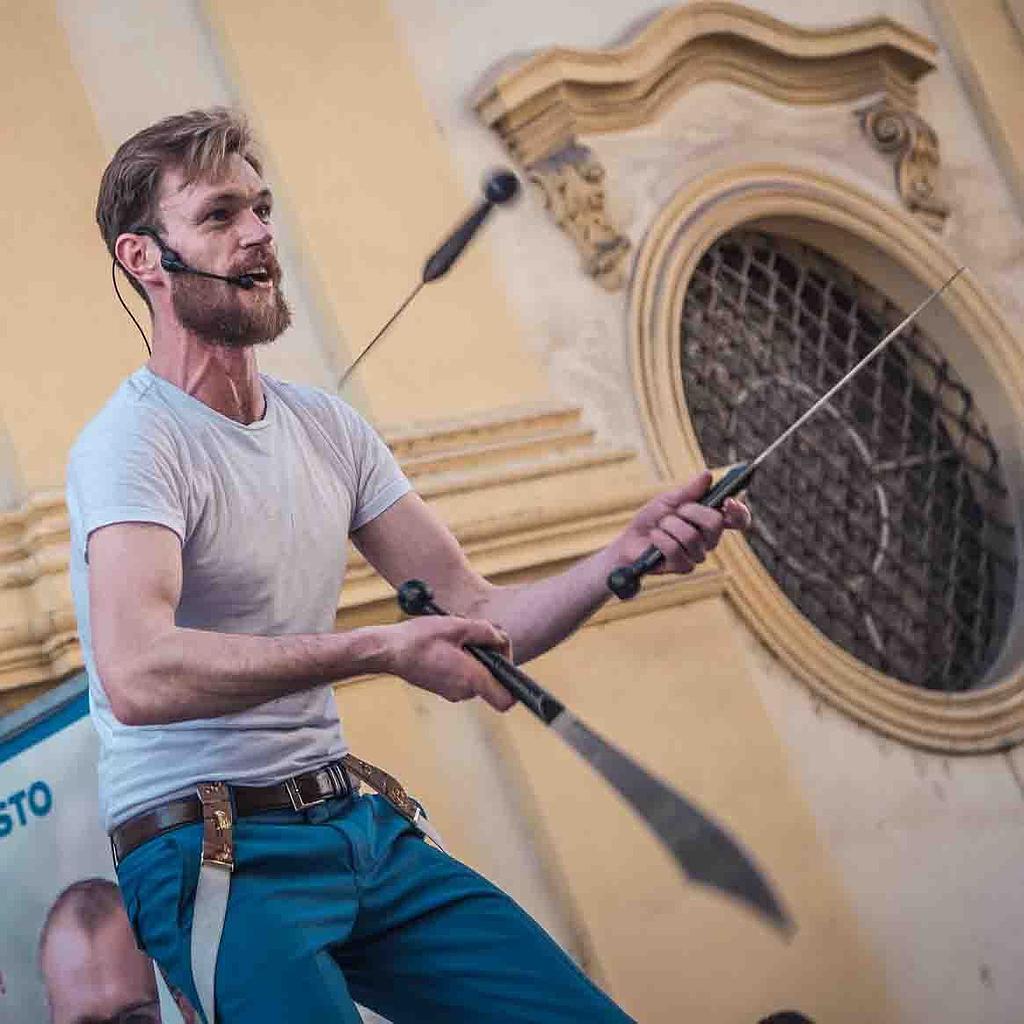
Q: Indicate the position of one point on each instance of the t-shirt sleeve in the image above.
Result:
(124, 476)
(380, 481)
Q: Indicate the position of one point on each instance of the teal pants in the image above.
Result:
(345, 902)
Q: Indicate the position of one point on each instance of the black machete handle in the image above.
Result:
(500, 187)
(416, 598)
(624, 583)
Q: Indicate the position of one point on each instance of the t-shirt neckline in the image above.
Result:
(192, 404)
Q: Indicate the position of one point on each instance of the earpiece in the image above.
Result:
(171, 261)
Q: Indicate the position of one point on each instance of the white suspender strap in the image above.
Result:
(211, 902)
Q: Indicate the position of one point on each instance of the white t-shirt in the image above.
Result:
(263, 512)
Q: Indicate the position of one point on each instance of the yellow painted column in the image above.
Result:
(372, 190)
(65, 337)
(986, 41)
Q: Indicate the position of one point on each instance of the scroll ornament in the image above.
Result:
(915, 147)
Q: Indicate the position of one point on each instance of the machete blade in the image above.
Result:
(703, 850)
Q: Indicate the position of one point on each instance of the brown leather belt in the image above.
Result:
(298, 793)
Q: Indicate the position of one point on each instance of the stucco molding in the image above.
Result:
(38, 638)
(914, 147)
(542, 108)
(975, 721)
(572, 184)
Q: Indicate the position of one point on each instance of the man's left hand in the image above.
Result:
(680, 528)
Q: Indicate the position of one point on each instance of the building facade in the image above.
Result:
(724, 205)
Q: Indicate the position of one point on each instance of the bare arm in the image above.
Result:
(154, 671)
(409, 541)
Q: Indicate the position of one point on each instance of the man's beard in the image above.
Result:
(215, 312)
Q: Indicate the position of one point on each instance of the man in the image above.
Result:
(92, 970)
(209, 506)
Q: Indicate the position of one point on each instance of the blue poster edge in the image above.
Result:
(41, 718)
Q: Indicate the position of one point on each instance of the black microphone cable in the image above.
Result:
(117, 291)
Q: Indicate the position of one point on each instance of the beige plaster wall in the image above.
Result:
(58, 320)
(929, 848)
(985, 39)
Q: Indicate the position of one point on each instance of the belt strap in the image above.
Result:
(392, 790)
(299, 792)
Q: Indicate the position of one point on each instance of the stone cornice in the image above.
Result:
(544, 104)
(38, 636)
(545, 107)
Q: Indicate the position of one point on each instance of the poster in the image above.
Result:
(50, 838)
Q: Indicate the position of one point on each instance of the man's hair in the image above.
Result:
(89, 902)
(198, 143)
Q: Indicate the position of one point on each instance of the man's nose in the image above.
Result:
(255, 230)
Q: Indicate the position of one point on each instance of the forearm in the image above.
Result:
(188, 673)
(539, 615)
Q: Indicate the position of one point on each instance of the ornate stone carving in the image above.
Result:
(541, 107)
(38, 639)
(547, 102)
(572, 182)
(914, 146)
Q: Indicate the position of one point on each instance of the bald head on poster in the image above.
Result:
(92, 969)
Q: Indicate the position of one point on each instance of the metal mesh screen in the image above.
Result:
(884, 519)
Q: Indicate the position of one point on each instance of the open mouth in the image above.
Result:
(260, 276)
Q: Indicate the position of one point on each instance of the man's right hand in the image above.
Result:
(429, 653)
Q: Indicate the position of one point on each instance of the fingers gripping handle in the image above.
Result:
(624, 582)
(415, 598)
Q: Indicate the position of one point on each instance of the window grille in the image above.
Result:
(884, 519)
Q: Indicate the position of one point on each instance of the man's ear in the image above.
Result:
(138, 256)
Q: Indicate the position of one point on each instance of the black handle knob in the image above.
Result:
(415, 597)
(500, 187)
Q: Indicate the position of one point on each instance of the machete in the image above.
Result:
(703, 850)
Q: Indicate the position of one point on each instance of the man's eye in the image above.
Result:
(219, 214)
(263, 211)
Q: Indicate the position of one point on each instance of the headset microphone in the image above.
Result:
(174, 264)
